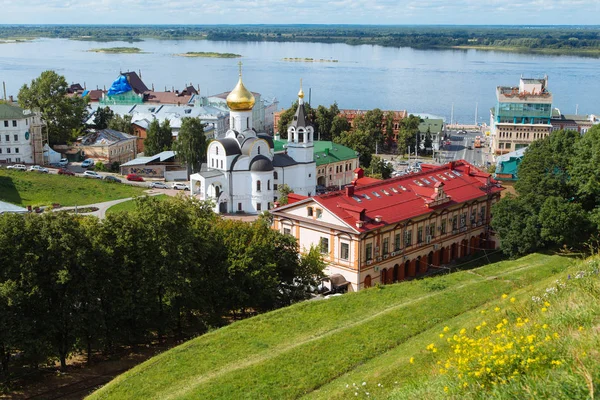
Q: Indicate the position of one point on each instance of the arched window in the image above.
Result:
(247, 122)
(258, 186)
(269, 184)
(367, 282)
(258, 149)
(217, 150)
(275, 175)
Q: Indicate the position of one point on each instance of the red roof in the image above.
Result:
(410, 196)
(293, 198)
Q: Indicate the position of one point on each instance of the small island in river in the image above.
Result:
(208, 54)
(118, 50)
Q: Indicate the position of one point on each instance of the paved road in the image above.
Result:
(459, 149)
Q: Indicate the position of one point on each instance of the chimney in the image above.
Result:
(468, 170)
(378, 218)
(350, 190)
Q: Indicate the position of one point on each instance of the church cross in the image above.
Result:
(240, 67)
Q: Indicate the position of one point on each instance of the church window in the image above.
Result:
(275, 187)
(248, 123)
(212, 162)
(258, 206)
(309, 175)
(217, 150)
(239, 206)
(274, 174)
(258, 186)
(269, 184)
(221, 164)
(258, 149)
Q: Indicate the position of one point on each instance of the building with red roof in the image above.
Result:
(395, 229)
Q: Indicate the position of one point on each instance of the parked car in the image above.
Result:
(92, 174)
(110, 178)
(180, 186)
(63, 162)
(158, 185)
(18, 167)
(87, 163)
(37, 168)
(64, 171)
(402, 162)
(135, 178)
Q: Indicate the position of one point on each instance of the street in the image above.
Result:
(462, 147)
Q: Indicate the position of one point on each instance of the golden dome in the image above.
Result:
(240, 98)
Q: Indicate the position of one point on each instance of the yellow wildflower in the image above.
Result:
(412, 360)
(545, 326)
(463, 331)
(512, 299)
(544, 309)
(504, 296)
(446, 389)
(497, 309)
(547, 304)
(580, 328)
(446, 329)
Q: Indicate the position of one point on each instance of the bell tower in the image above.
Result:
(300, 144)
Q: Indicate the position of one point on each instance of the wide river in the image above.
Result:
(365, 77)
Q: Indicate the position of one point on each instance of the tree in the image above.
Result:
(121, 124)
(324, 121)
(284, 190)
(165, 138)
(388, 138)
(63, 115)
(407, 134)
(360, 141)
(584, 168)
(338, 125)
(380, 169)
(151, 144)
(428, 143)
(102, 118)
(191, 143)
(516, 222)
(372, 124)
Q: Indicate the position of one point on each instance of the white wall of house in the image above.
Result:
(16, 141)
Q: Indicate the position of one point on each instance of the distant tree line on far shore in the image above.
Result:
(557, 39)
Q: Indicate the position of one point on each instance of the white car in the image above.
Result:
(38, 169)
(92, 174)
(180, 186)
(63, 162)
(87, 163)
(18, 167)
(158, 185)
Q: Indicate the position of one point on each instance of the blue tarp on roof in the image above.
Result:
(85, 92)
(121, 85)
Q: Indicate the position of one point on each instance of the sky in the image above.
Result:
(454, 12)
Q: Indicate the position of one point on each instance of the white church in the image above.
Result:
(242, 172)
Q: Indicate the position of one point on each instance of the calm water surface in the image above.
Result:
(364, 77)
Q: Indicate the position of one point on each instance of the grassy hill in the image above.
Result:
(35, 189)
(392, 341)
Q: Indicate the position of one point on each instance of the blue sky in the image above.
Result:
(472, 12)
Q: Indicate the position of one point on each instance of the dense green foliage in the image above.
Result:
(63, 115)
(159, 137)
(191, 144)
(121, 123)
(327, 349)
(33, 189)
(167, 268)
(102, 118)
(553, 39)
(557, 202)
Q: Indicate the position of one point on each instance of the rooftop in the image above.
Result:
(399, 199)
(105, 137)
(325, 152)
(9, 111)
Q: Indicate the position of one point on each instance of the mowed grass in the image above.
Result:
(129, 205)
(35, 189)
(314, 349)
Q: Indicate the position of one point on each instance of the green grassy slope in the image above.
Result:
(129, 205)
(321, 349)
(35, 189)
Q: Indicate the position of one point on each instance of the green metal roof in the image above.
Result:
(8, 111)
(326, 152)
(434, 125)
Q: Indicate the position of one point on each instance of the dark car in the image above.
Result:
(135, 178)
(64, 171)
(110, 178)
